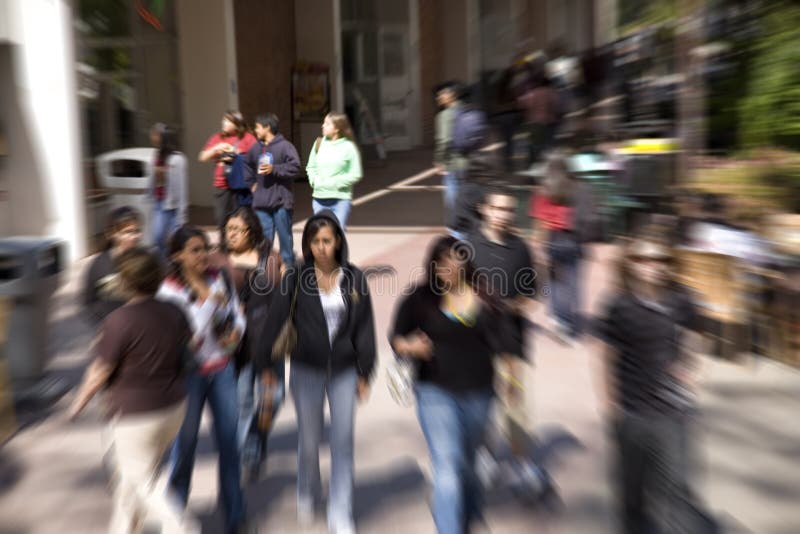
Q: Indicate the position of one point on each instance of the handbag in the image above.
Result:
(400, 377)
(287, 337)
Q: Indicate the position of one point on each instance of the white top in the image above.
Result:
(334, 308)
(209, 354)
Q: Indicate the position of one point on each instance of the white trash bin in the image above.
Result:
(127, 175)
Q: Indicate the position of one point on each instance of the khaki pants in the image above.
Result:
(139, 443)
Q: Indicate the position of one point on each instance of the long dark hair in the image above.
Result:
(177, 243)
(313, 226)
(118, 219)
(255, 233)
(169, 143)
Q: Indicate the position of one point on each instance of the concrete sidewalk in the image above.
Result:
(52, 479)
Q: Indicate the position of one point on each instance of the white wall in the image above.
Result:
(39, 108)
(207, 58)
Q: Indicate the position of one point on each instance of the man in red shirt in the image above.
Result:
(221, 148)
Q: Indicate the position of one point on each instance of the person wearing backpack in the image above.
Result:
(334, 167)
(223, 148)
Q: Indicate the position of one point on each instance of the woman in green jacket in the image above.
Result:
(334, 167)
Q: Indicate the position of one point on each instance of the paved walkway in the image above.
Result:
(51, 480)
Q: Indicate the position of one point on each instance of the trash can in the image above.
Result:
(127, 175)
(29, 268)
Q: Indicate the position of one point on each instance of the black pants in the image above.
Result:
(653, 477)
(225, 203)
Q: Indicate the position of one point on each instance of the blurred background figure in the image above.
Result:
(542, 112)
(170, 186)
(650, 391)
(140, 357)
(101, 290)
(449, 165)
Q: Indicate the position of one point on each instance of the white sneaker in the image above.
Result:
(342, 527)
(306, 512)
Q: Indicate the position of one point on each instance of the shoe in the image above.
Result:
(343, 527)
(306, 513)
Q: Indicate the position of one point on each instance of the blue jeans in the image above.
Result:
(309, 387)
(219, 389)
(565, 296)
(279, 219)
(164, 223)
(340, 207)
(454, 426)
(452, 182)
(252, 441)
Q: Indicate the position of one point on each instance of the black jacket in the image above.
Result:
(354, 344)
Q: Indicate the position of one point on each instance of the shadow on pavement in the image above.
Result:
(376, 494)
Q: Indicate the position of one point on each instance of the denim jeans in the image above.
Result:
(164, 223)
(565, 291)
(454, 426)
(309, 387)
(252, 441)
(219, 389)
(340, 207)
(279, 219)
(452, 182)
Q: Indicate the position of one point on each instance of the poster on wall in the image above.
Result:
(311, 99)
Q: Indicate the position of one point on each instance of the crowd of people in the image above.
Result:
(189, 324)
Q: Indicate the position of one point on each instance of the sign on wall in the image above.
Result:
(311, 99)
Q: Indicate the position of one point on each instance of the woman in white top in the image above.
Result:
(217, 322)
(169, 187)
(334, 356)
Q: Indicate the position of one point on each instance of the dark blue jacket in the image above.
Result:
(277, 189)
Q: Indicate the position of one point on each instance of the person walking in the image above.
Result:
(649, 399)
(334, 167)
(334, 356)
(557, 213)
(212, 306)
(101, 294)
(449, 165)
(255, 270)
(271, 165)
(140, 355)
(222, 148)
(453, 330)
(169, 189)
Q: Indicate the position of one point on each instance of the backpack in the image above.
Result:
(470, 131)
(234, 176)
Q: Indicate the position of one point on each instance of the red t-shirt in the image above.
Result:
(553, 216)
(242, 146)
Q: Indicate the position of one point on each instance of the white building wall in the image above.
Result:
(42, 173)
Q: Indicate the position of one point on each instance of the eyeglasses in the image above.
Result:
(235, 230)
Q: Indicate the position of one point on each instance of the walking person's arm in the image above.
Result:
(179, 174)
(251, 167)
(109, 348)
(311, 168)
(94, 380)
(364, 340)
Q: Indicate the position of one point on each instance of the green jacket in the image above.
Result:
(442, 154)
(334, 169)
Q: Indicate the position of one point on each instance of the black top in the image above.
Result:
(647, 340)
(99, 288)
(507, 267)
(462, 355)
(354, 344)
